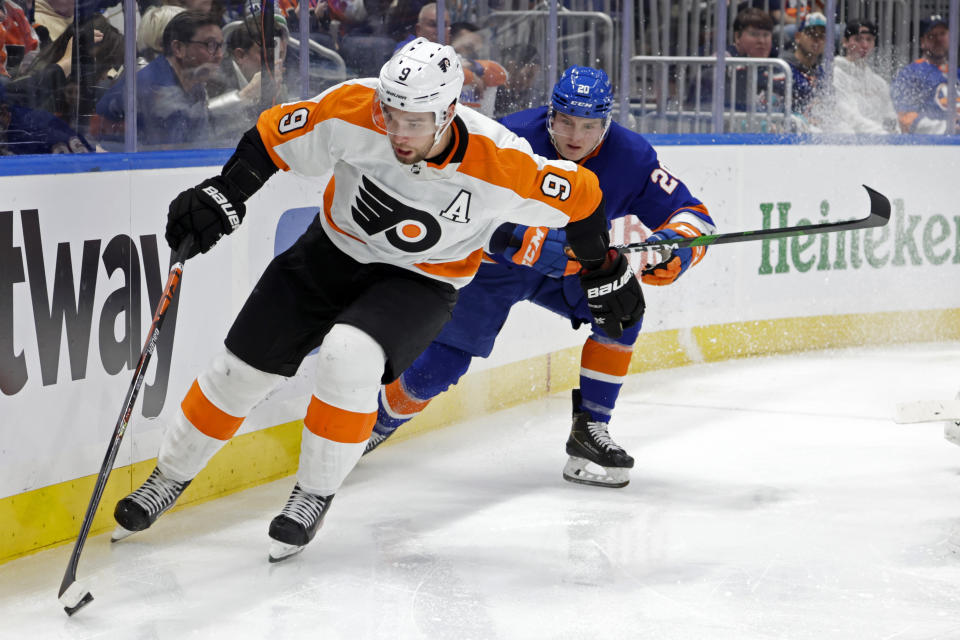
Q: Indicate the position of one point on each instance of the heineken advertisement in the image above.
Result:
(907, 240)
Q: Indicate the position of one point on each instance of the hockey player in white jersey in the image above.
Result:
(419, 185)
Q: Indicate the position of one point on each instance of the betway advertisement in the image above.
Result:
(83, 262)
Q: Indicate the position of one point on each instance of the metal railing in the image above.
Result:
(675, 94)
(584, 37)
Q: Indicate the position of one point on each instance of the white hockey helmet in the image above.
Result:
(422, 77)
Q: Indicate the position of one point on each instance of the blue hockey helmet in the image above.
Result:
(584, 92)
(581, 92)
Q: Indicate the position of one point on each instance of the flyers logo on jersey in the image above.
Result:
(405, 227)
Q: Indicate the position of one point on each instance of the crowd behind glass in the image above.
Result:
(201, 76)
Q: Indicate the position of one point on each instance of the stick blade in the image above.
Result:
(927, 411)
(75, 597)
(879, 207)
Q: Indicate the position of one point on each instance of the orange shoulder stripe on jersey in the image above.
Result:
(610, 358)
(515, 170)
(328, 209)
(458, 269)
(400, 402)
(349, 102)
(208, 418)
(339, 425)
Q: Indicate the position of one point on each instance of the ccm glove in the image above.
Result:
(672, 261)
(542, 248)
(613, 294)
(206, 212)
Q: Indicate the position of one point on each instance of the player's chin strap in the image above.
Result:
(441, 127)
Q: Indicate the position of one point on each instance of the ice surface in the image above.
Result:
(771, 498)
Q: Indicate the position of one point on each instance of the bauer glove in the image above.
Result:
(669, 262)
(206, 212)
(542, 248)
(613, 294)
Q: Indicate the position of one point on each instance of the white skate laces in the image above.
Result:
(158, 493)
(601, 437)
(304, 508)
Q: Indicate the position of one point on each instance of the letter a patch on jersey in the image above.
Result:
(459, 209)
(404, 226)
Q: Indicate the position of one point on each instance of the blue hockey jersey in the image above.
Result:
(919, 93)
(631, 177)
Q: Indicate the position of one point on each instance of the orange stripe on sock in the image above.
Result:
(208, 418)
(400, 402)
(339, 425)
(612, 359)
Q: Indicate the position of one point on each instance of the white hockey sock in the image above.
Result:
(185, 451)
(324, 464)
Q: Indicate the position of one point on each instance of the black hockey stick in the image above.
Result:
(73, 596)
(879, 216)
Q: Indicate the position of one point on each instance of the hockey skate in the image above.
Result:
(376, 439)
(141, 508)
(591, 447)
(296, 525)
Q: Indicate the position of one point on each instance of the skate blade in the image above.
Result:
(120, 533)
(613, 477)
(280, 551)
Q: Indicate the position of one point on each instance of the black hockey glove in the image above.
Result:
(206, 212)
(613, 294)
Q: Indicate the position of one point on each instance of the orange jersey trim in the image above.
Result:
(209, 419)
(688, 231)
(336, 424)
(516, 170)
(400, 402)
(328, 209)
(465, 268)
(612, 359)
(350, 103)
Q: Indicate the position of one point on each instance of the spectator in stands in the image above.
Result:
(481, 77)
(426, 26)
(150, 31)
(17, 37)
(50, 83)
(53, 15)
(752, 38)
(30, 131)
(805, 62)
(402, 18)
(861, 96)
(171, 94)
(154, 20)
(238, 93)
(919, 90)
(522, 63)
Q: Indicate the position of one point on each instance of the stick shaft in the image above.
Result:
(879, 216)
(169, 291)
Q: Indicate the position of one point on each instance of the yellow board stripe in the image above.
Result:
(51, 516)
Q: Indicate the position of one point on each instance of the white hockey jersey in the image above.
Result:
(433, 219)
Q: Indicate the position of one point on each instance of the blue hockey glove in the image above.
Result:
(672, 261)
(542, 248)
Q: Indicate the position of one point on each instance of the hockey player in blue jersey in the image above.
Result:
(919, 90)
(531, 263)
